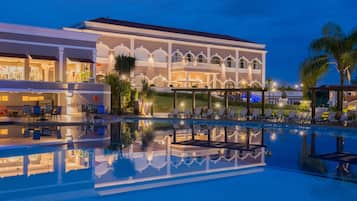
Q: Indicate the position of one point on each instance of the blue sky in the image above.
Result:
(285, 26)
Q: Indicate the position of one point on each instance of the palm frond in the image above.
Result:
(312, 69)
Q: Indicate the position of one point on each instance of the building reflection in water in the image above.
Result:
(155, 159)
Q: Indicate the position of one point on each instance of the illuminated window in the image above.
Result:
(32, 98)
(78, 71)
(77, 160)
(11, 166)
(12, 68)
(40, 163)
(4, 131)
(4, 98)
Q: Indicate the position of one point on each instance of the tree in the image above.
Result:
(120, 92)
(124, 65)
(333, 49)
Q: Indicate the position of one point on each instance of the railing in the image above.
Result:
(196, 66)
(38, 85)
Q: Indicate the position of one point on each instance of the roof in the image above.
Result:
(167, 29)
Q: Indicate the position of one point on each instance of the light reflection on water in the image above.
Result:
(149, 154)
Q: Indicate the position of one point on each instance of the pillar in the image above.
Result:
(263, 103)
(192, 132)
(61, 71)
(237, 67)
(27, 69)
(169, 63)
(94, 67)
(193, 101)
(313, 144)
(248, 104)
(187, 78)
(226, 101)
(209, 104)
(174, 99)
(263, 68)
(225, 135)
(313, 105)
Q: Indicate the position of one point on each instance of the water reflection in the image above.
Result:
(147, 154)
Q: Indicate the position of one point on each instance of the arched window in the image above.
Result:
(255, 64)
(189, 58)
(215, 60)
(229, 62)
(177, 57)
(242, 64)
(201, 59)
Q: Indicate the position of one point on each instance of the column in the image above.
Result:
(313, 104)
(208, 54)
(193, 101)
(249, 73)
(27, 69)
(46, 73)
(209, 104)
(237, 66)
(174, 99)
(94, 68)
(248, 104)
(226, 101)
(214, 80)
(187, 76)
(60, 70)
(208, 80)
(263, 103)
(132, 43)
(263, 69)
(169, 63)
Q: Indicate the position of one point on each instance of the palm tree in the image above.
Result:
(334, 49)
(124, 64)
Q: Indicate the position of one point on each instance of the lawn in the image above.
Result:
(163, 102)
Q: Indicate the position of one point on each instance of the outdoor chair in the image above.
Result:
(27, 110)
(36, 134)
(174, 113)
(48, 110)
(221, 113)
(36, 111)
(243, 114)
(100, 109)
(187, 114)
(57, 111)
(292, 116)
(58, 133)
(46, 131)
(280, 116)
(231, 114)
(268, 114)
(208, 114)
(255, 114)
(332, 117)
(27, 133)
(197, 113)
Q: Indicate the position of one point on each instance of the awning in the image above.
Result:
(6, 54)
(42, 57)
(82, 60)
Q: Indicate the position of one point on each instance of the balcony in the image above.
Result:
(200, 67)
(49, 87)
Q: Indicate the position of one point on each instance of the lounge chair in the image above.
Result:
(243, 114)
(268, 114)
(255, 114)
(187, 114)
(197, 113)
(222, 113)
(208, 114)
(332, 117)
(174, 113)
(36, 134)
(231, 114)
(292, 116)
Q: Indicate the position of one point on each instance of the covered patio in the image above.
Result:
(226, 92)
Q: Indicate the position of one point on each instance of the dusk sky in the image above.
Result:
(286, 27)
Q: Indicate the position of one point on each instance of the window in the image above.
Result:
(177, 57)
(32, 98)
(229, 63)
(201, 59)
(215, 60)
(78, 71)
(189, 58)
(4, 98)
(12, 68)
(242, 64)
(255, 65)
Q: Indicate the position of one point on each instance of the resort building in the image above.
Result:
(177, 57)
(40, 66)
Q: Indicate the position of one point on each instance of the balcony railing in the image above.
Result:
(190, 66)
(33, 86)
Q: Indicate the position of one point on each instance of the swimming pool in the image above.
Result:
(188, 160)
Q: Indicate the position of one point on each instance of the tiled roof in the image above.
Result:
(167, 29)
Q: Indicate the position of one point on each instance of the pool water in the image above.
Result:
(188, 160)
